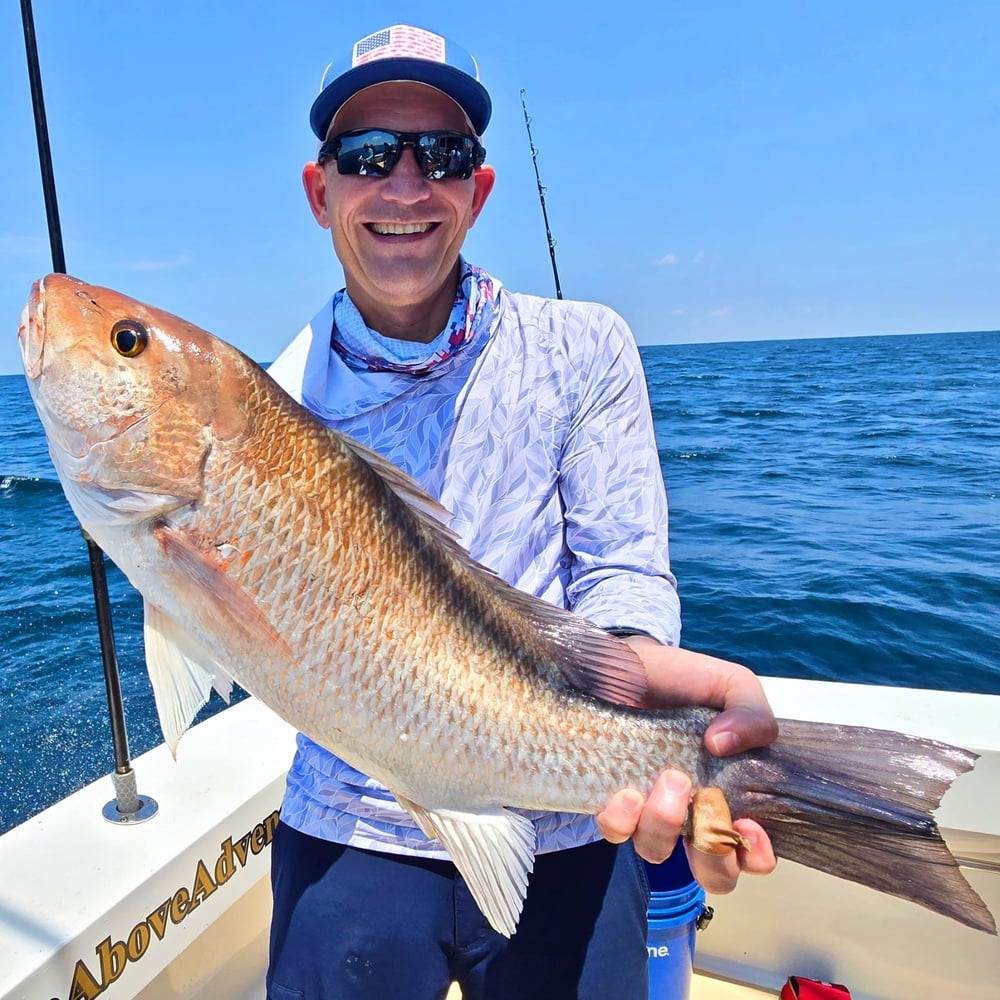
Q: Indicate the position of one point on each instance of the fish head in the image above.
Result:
(132, 398)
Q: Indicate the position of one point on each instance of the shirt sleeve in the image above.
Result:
(613, 493)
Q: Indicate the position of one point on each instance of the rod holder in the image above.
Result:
(128, 807)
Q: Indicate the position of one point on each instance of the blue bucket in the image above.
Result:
(676, 905)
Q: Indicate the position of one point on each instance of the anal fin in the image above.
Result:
(493, 850)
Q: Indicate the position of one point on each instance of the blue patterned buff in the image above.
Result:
(363, 349)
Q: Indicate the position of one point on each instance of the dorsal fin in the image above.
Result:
(586, 657)
(405, 487)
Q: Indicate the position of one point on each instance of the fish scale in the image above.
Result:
(322, 579)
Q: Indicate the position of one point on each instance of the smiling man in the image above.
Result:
(528, 419)
(398, 235)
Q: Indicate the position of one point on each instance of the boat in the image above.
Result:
(178, 907)
(93, 904)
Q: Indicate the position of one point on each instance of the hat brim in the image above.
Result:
(463, 89)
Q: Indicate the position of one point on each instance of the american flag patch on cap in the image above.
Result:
(402, 53)
(401, 41)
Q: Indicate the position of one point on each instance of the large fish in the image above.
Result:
(274, 551)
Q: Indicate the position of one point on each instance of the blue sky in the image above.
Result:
(714, 170)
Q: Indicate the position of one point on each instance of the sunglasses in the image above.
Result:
(373, 152)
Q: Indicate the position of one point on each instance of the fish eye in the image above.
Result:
(129, 338)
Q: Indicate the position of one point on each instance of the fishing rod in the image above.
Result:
(541, 198)
(126, 807)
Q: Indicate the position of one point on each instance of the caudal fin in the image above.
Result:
(858, 803)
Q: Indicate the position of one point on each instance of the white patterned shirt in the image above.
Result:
(538, 438)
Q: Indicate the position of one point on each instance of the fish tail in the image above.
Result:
(858, 803)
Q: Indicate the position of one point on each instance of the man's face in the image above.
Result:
(397, 237)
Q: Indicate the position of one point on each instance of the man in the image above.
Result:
(528, 419)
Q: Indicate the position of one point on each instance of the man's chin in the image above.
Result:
(402, 281)
(404, 287)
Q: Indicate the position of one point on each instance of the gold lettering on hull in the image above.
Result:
(112, 958)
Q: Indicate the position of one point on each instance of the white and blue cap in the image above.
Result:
(403, 53)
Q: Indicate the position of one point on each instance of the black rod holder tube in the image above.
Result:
(112, 681)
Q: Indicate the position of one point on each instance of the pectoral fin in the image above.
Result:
(182, 671)
(232, 609)
(494, 851)
(182, 675)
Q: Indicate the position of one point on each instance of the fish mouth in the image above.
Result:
(69, 447)
(31, 332)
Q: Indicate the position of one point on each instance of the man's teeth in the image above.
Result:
(395, 229)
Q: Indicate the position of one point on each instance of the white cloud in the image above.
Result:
(667, 260)
(720, 312)
(181, 260)
(700, 257)
(23, 245)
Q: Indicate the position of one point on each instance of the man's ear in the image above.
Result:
(485, 177)
(314, 181)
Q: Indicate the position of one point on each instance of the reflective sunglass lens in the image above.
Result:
(374, 153)
(371, 154)
(445, 155)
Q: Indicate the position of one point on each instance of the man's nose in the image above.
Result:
(407, 181)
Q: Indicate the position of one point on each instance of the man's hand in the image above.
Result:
(681, 677)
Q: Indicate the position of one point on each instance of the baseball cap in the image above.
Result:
(403, 52)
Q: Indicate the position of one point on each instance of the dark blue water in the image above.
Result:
(835, 504)
(835, 513)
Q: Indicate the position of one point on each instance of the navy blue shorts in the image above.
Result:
(359, 924)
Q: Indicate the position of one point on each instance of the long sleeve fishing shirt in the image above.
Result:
(538, 438)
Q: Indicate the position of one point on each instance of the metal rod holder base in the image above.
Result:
(127, 807)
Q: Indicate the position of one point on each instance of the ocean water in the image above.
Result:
(834, 514)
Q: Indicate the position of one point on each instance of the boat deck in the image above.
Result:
(703, 987)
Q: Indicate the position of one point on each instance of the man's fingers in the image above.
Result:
(719, 874)
(746, 720)
(662, 820)
(620, 817)
(741, 727)
(654, 823)
(680, 676)
(760, 858)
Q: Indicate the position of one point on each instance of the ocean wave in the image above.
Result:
(14, 486)
(754, 413)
